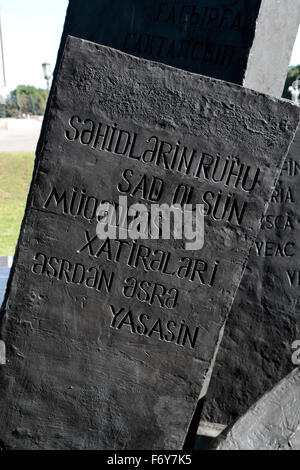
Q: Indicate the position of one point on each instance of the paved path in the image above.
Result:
(19, 140)
(19, 134)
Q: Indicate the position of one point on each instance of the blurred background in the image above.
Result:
(30, 34)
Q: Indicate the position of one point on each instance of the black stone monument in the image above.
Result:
(257, 347)
(108, 342)
(248, 42)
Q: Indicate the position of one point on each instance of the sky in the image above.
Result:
(295, 58)
(31, 31)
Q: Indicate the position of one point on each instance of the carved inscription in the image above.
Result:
(221, 17)
(267, 302)
(280, 224)
(162, 47)
(124, 329)
(198, 19)
(72, 273)
(76, 202)
(171, 331)
(172, 156)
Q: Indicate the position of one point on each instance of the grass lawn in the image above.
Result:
(15, 177)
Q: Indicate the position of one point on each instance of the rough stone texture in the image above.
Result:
(256, 350)
(248, 42)
(273, 423)
(76, 376)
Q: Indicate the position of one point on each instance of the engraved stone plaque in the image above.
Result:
(248, 42)
(264, 322)
(108, 342)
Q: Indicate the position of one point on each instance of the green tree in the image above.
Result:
(2, 107)
(291, 77)
(31, 100)
(26, 99)
(11, 105)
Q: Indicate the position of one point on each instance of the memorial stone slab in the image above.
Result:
(248, 42)
(273, 423)
(257, 347)
(108, 342)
